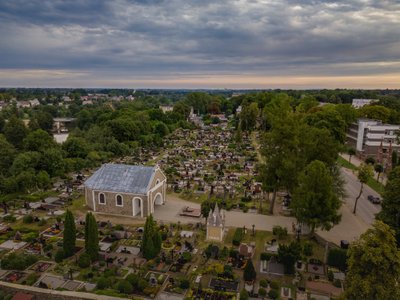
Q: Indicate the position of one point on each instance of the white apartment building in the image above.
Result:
(373, 138)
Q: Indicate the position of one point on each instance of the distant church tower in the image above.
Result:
(216, 225)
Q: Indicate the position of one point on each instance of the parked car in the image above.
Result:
(374, 200)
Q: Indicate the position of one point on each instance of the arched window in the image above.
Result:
(118, 201)
(158, 181)
(102, 198)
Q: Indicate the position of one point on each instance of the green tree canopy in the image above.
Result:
(314, 200)
(374, 266)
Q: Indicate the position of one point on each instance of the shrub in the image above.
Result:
(308, 249)
(245, 209)
(246, 199)
(330, 276)
(237, 236)
(279, 231)
(288, 255)
(10, 219)
(84, 260)
(48, 247)
(142, 284)
(184, 284)
(32, 278)
(274, 285)
(187, 256)
(264, 283)
(102, 283)
(262, 292)
(59, 256)
(30, 236)
(244, 295)
(266, 256)
(133, 279)
(337, 257)
(27, 219)
(18, 261)
(337, 283)
(123, 286)
(42, 222)
(119, 227)
(273, 294)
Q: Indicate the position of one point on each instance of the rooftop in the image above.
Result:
(121, 178)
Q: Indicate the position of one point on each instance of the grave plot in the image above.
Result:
(177, 285)
(42, 266)
(14, 276)
(315, 266)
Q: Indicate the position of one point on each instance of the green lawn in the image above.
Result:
(372, 182)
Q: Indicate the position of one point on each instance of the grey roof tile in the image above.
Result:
(121, 178)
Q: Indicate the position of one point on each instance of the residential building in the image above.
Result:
(373, 138)
(166, 108)
(127, 190)
(357, 103)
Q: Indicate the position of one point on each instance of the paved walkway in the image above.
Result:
(349, 229)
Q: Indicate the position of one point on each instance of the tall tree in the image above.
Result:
(69, 236)
(92, 235)
(151, 240)
(378, 169)
(365, 172)
(390, 213)
(315, 202)
(395, 161)
(248, 116)
(15, 131)
(374, 266)
(7, 155)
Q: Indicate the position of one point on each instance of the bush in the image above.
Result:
(274, 285)
(184, 284)
(10, 219)
(246, 199)
(308, 249)
(133, 280)
(18, 261)
(42, 222)
(262, 292)
(288, 255)
(245, 209)
(266, 256)
(30, 236)
(279, 231)
(337, 258)
(27, 219)
(84, 260)
(330, 276)
(142, 284)
(102, 283)
(237, 236)
(48, 247)
(123, 286)
(59, 256)
(263, 283)
(337, 283)
(244, 295)
(187, 256)
(273, 294)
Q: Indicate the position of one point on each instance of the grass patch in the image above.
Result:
(345, 163)
(372, 182)
(78, 205)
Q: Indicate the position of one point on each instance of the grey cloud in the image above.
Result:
(230, 37)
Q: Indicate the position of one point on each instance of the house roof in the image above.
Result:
(121, 178)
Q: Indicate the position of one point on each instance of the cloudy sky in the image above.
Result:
(200, 43)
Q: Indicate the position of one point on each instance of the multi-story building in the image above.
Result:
(357, 103)
(373, 138)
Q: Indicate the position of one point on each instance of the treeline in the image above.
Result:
(29, 156)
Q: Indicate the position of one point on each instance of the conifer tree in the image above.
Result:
(151, 241)
(249, 273)
(69, 239)
(92, 237)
